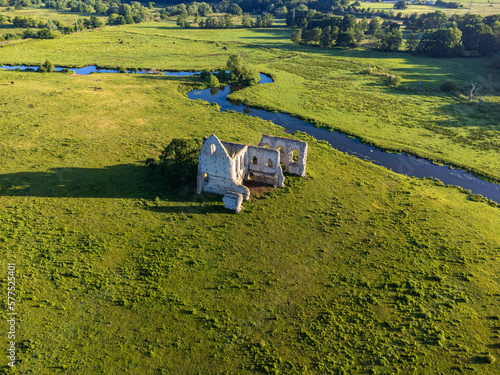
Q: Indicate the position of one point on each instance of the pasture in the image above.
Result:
(353, 269)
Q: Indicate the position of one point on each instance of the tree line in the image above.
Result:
(432, 34)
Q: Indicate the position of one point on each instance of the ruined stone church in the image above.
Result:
(224, 166)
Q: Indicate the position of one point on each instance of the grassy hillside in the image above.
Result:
(353, 269)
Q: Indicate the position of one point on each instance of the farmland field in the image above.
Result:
(352, 269)
(481, 7)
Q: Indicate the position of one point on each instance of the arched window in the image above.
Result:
(254, 160)
(205, 177)
(282, 153)
(213, 149)
(270, 163)
(295, 156)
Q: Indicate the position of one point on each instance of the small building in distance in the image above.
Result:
(224, 166)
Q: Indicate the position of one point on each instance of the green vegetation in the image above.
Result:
(481, 7)
(468, 35)
(352, 269)
(178, 162)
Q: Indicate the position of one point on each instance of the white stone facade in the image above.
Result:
(224, 166)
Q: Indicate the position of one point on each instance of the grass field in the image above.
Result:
(353, 269)
(481, 7)
(69, 18)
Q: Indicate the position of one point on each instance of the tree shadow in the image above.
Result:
(117, 181)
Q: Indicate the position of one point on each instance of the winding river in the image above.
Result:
(401, 163)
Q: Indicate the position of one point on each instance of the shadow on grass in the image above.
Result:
(117, 181)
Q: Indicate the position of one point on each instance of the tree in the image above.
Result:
(46, 67)
(412, 42)
(100, 7)
(265, 20)
(316, 34)
(327, 38)
(297, 36)
(346, 39)
(281, 12)
(246, 21)
(204, 9)
(240, 73)
(444, 42)
(234, 64)
(125, 10)
(227, 21)
(46, 34)
(178, 162)
(348, 22)
(51, 26)
(480, 38)
(96, 23)
(391, 40)
(401, 4)
(234, 9)
(374, 25)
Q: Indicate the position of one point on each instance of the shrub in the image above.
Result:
(477, 198)
(46, 67)
(46, 34)
(205, 75)
(214, 82)
(449, 86)
(394, 80)
(368, 70)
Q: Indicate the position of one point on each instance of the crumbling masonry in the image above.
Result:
(224, 166)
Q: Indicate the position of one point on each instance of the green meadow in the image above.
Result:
(481, 7)
(351, 270)
(39, 13)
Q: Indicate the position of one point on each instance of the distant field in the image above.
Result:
(40, 13)
(481, 7)
(152, 44)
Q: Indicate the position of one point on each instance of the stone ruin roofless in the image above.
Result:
(224, 166)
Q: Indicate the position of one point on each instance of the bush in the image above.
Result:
(394, 80)
(368, 71)
(46, 67)
(205, 75)
(449, 86)
(214, 82)
(46, 34)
